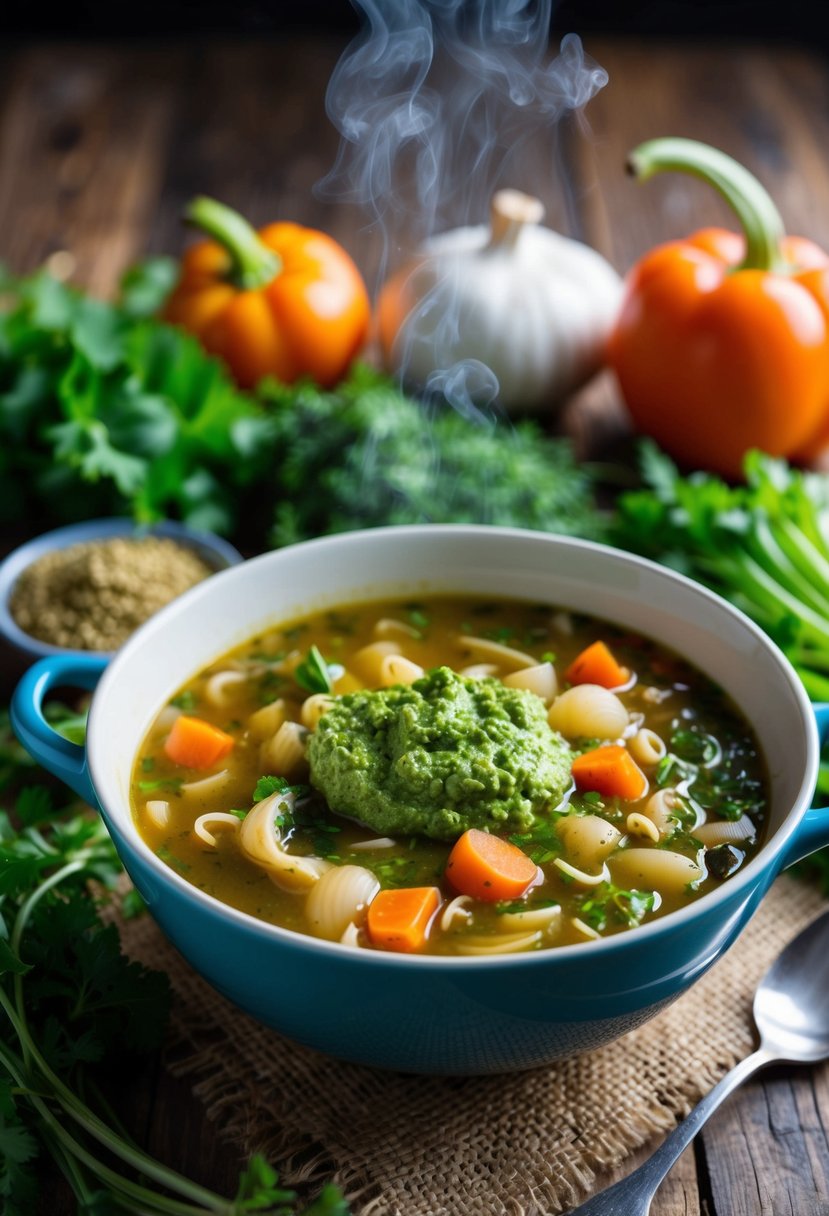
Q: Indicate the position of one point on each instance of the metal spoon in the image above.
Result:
(791, 1011)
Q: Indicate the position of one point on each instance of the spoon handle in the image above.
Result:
(632, 1196)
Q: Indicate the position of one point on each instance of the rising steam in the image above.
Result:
(436, 100)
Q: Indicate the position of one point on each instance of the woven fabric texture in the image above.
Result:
(524, 1145)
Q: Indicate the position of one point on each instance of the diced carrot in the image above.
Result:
(596, 665)
(399, 919)
(489, 868)
(610, 771)
(194, 743)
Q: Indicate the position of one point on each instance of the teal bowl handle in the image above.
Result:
(813, 833)
(66, 760)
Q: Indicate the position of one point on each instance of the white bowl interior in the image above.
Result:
(234, 606)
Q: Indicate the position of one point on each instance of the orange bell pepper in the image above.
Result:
(285, 302)
(722, 342)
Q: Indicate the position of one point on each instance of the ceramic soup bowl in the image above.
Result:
(421, 1013)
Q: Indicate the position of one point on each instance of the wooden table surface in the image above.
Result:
(100, 147)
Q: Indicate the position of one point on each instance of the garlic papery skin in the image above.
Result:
(533, 306)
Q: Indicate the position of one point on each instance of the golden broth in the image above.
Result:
(711, 773)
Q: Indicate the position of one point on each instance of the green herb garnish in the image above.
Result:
(612, 905)
(313, 673)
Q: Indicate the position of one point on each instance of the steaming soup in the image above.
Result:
(662, 797)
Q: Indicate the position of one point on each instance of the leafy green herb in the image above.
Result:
(763, 545)
(366, 455)
(392, 871)
(313, 673)
(522, 905)
(694, 745)
(266, 786)
(418, 618)
(271, 784)
(173, 784)
(186, 701)
(169, 858)
(541, 844)
(613, 905)
(71, 1004)
(104, 411)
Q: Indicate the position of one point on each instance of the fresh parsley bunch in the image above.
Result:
(104, 410)
(72, 1004)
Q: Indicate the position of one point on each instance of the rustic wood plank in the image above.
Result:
(81, 142)
(767, 1151)
(768, 110)
(252, 130)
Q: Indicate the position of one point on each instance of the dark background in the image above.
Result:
(798, 22)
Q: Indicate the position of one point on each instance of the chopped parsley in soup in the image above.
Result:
(451, 777)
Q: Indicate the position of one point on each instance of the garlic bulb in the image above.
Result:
(533, 306)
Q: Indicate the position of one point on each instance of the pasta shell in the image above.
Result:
(334, 902)
(389, 627)
(540, 679)
(265, 722)
(647, 747)
(158, 811)
(588, 711)
(284, 754)
(313, 708)
(259, 839)
(397, 669)
(724, 831)
(588, 839)
(661, 807)
(479, 671)
(215, 819)
(366, 662)
(206, 787)
(222, 687)
(496, 652)
(654, 870)
(640, 825)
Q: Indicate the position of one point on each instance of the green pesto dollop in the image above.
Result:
(439, 756)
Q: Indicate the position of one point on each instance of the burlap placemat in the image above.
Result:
(523, 1145)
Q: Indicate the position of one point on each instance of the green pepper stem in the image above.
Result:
(253, 264)
(751, 202)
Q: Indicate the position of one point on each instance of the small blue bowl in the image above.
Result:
(211, 549)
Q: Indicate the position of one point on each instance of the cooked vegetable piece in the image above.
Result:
(399, 919)
(194, 743)
(596, 665)
(488, 868)
(610, 771)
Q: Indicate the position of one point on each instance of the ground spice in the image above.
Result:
(92, 596)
